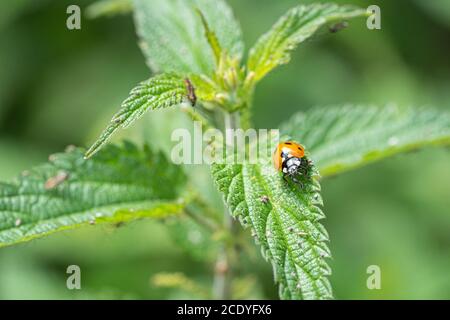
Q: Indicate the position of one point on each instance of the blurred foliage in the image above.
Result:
(53, 78)
(179, 280)
(108, 8)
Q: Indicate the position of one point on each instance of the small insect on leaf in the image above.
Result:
(264, 199)
(119, 224)
(191, 91)
(55, 181)
(338, 26)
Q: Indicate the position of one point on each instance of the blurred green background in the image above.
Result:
(59, 87)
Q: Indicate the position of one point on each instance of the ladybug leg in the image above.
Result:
(310, 163)
(306, 168)
(293, 179)
(300, 184)
(306, 172)
(297, 181)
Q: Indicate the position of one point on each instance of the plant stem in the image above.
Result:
(196, 116)
(223, 270)
(222, 274)
(201, 220)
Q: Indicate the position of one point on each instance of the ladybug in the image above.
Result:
(289, 158)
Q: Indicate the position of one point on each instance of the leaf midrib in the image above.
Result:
(275, 215)
(87, 211)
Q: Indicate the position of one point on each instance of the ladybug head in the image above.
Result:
(292, 166)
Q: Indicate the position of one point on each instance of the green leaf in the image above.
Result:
(298, 24)
(205, 88)
(120, 184)
(211, 37)
(284, 219)
(162, 91)
(341, 138)
(172, 35)
(108, 8)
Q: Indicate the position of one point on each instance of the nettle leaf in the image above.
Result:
(211, 37)
(162, 91)
(284, 219)
(172, 35)
(205, 89)
(120, 184)
(341, 138)
(298, 24)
